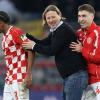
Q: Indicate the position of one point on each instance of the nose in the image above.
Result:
(50, 20)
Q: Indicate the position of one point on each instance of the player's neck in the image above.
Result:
(7, 27)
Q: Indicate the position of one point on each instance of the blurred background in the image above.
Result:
(26, 14)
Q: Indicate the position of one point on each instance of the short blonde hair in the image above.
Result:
(50, 8)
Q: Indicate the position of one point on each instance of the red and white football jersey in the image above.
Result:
(15, 55)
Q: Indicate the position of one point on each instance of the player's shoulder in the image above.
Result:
(98, 27)
(16, 30)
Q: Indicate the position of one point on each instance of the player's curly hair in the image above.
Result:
(4, 17)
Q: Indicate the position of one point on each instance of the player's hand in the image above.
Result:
(28, 45)
(28, 80)
(76, 46)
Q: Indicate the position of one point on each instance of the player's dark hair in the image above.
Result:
(4, 17)
(87, 7)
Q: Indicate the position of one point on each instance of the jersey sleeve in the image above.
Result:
(16, 34)
(94, 54)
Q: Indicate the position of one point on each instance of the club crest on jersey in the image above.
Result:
(89, 40)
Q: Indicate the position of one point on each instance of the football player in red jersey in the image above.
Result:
(18, 61)
(89, 37)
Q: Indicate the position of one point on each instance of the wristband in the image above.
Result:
(33, 45)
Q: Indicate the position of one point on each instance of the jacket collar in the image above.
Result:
(91, 28)
(53, 29)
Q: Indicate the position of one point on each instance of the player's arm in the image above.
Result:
(31, 57)
(19, 37)
(94, 54)
(28, 78)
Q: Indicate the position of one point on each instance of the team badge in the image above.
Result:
(89, 40)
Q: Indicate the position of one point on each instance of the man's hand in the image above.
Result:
(28, 80)
(28, 45)
(76, 46)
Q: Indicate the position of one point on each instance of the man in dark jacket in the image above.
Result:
(71, 65)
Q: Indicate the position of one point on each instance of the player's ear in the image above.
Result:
(2, 24)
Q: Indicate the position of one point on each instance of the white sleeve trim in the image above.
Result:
(96, 41)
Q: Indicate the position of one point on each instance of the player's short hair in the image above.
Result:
(87, 7)
(4, 17)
